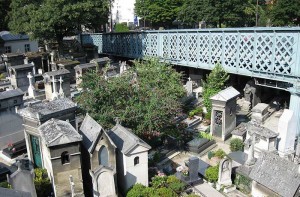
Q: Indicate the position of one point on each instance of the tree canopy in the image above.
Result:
(54, 19)
(145, 97)
(214, 83)
(286, 13)
(158, 12)
(230, 13)
(4, 9)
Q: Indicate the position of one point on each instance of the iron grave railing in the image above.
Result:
(269, 53)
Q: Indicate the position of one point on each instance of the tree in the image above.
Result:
(4, 9)
(236, 145)
(214, 83)
(121, 28)
(158, 12)
(145, 98)
(286, 13)
(231, 13)
(55, 19)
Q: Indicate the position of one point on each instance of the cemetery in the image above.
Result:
(102, 126)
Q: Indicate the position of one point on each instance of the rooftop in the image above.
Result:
(58, 132)
(7, 36)
(226, 95)
(277, 174)
(22, 66)
(125, 140)
(87, 65)
(57, 72)
(259, 130)
(11, 94)
(38, 110)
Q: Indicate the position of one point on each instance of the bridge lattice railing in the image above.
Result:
(271, 53)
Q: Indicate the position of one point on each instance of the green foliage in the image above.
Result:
(158, 12)
(2, 76)
(54, 19)
(120, 27)
(175, 184)
(236, 145)
(205, 135)
(4, 9)
(208, 115)
(243, 183)
(286, 13)
(214, 83)
(42, 182)
(136, 191)
(159, 181)
(210, 154)
(231, 13)
(5, 184)
(145, 98)
(212, 173)
(166, 192)
(198, 111)
(220, 154)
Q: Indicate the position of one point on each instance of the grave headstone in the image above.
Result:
(260, 112)
(189, 87)
(287, 134)
(193, 169)
(225, 169)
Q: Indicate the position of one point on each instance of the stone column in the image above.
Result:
(54, 93)
(61, 91)
(295, 107)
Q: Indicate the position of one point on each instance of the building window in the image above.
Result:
(136, 160)
(7, 49)
(103, 156)
(27, 47)
(65, 158)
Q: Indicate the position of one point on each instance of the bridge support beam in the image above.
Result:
(295, 106)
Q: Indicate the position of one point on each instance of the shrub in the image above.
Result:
(236, 145)
(210, 154)
(165, 192)
(208, 116)
(136, 191)
(175, 184)
(121, 28)
(212, 173)
(5, 184)
(220, 154)
(159, 181)
(205, 135)
(42, 182)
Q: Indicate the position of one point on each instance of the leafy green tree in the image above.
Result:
(5, 184)
(236, 145)
(214, 83)
(158, 12)
(231, 13)
(54, 19)
(4, 9)
(212, 173)
(145, 98)
(286, 13)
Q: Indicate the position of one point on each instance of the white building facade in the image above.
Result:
(123, 12)
(17, 43)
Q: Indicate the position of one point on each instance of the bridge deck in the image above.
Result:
(269, 53)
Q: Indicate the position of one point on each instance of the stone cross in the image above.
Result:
(31, 89)
(189, 79)
(54, 94)
(61, 91)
